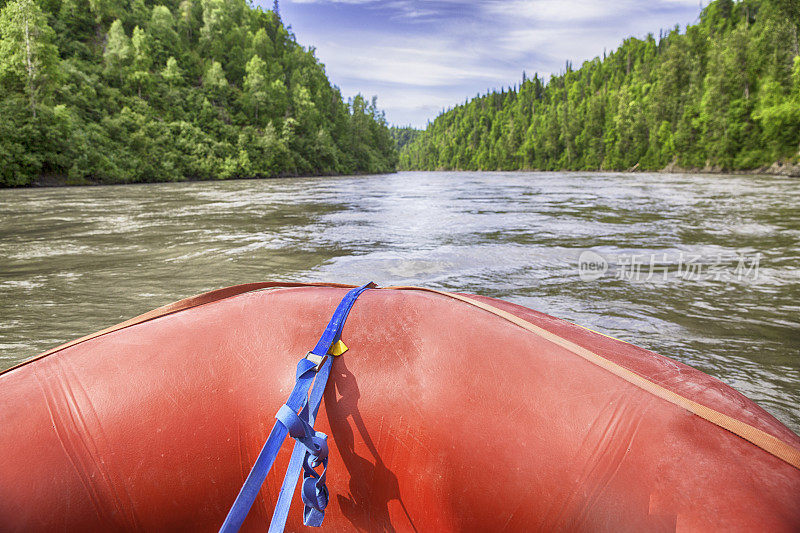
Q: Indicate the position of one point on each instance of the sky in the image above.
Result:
(421, 57)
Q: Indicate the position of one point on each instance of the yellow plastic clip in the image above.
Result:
(337, 348)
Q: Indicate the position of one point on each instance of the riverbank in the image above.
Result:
(62, 181)
(776, 169)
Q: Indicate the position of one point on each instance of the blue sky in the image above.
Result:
(420, 57)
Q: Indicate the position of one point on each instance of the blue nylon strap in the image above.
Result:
(311, 515)
(311, 446)
(298, 456)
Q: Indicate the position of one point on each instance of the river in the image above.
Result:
(701, 268)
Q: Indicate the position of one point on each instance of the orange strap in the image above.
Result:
(763, 440)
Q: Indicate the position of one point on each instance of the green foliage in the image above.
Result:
(172, 73)
(403, 136)
(117, 53)
(724, 94)
(119, 91)
(28, 57)
(214, 78)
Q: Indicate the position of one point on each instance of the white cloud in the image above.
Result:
(429, 62)
(422, 56)
(556, 10)
(571, 11)
(334, 1)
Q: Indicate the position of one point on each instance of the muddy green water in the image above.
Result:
(677, 255)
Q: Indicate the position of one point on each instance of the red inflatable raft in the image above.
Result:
(448, 413)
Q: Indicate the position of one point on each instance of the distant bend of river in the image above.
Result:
(700, 268)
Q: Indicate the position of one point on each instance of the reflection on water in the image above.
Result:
(75, 260)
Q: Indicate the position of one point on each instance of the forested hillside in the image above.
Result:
(723, 94)
(404, 135)
(113, 91)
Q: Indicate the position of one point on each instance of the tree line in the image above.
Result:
(723, 94)
(404, 135)
(120, 91)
